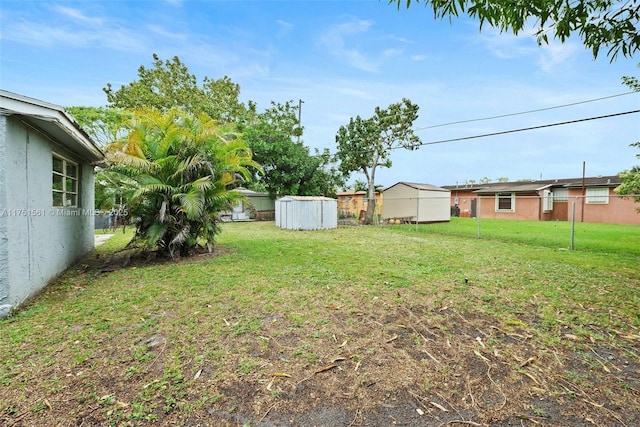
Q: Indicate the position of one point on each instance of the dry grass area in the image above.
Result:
(357, 326)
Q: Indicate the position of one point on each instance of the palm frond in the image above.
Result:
(192, 203)
(155, 233)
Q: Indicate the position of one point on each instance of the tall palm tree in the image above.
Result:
(183, 167)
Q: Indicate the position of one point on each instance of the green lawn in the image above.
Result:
(353, 326)
(622, 240)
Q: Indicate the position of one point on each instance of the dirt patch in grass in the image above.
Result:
(331, 357)
(137, 257)
(394, 366)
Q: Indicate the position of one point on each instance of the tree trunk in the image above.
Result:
(371, 192)
(371, 201)
(371, 210)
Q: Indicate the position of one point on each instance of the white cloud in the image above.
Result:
(389, 53)
(336, 41)
(550, 57)
(354, 93)
(77, 15)
(400, 39)
(555, 55)
(507, 45)
(285, 27)
(37, 34)
(165, 33)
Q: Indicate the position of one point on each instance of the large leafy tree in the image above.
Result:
(366, 144)
(180, 168)
(273, 135)
(105, 125)
(601, 24)
(169, 84)
(289, 167)
(631, 178)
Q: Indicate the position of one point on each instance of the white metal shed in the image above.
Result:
(306, 213)
(417, 202)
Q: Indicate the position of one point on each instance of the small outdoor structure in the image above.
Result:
(351, 203)
(255, 206)
(409, 202)
(306, 213)
(46, 195)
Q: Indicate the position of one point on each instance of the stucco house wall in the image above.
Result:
(529, 200)
(424, 202)
(617, 210)
(526, 207)
(38, 240)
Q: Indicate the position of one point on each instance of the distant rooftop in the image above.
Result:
(536, 185)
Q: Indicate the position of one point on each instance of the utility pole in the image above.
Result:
(300, 101)
(584, 192)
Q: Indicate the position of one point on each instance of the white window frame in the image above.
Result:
(597, 196)
(547, 201)
(68, 196)
(511, 196)
(561, 195)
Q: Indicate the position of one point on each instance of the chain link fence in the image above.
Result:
(562, 215)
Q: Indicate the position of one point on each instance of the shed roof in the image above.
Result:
(250, 193)
(353, 193)
(418, 186)
(52, 120)
(307, 198)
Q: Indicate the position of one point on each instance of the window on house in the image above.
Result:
(597, 195)
(505, 202)
(65, 182)
(560, 194)
(547, 201)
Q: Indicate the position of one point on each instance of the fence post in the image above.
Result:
(417, 209)
(573, 223)
(478, 213)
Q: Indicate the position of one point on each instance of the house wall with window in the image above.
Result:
(509, 205)
(601, 204)
(549, 200)
(46, 204)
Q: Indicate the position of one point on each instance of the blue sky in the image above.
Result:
(344, 58)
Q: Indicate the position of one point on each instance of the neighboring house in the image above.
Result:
(46, 195)
(306, 213)
(351, 203)
(590, 199)
(255, 206)
(411, 202)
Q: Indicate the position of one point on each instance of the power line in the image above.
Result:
(484, 135)
(524, 112)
